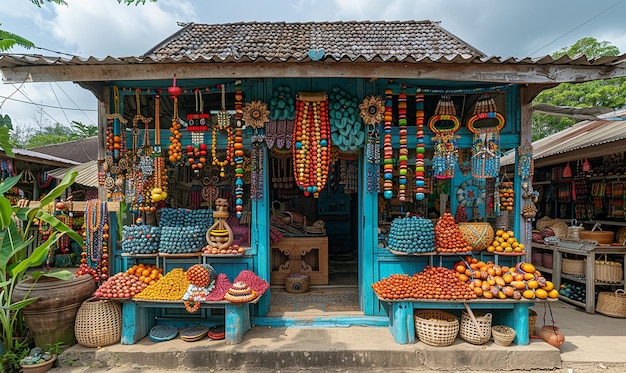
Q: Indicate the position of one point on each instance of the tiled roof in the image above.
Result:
(81, 151)
(281, 41)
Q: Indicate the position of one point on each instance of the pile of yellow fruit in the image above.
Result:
(505, 242)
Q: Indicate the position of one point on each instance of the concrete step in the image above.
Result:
(354, 348)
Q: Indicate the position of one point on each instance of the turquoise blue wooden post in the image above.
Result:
(520, 323)
(368, 240)
(401, 322)
(260, 236)
(237, 320)
(136, 322)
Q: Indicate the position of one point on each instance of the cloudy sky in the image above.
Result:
(103, 28)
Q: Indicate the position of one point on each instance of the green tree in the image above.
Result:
(609, 93)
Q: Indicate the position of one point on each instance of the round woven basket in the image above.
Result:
(98, 323)
(573, 266)
(502, 335)
(436, 328)
(478, 234)
(612, 304)
(478, 332)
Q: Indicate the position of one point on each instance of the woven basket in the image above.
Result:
(612, 304)
(436, 328)
(502, 335)
(605, 270)
(573, 266)
(559, 228)
(532, 320)
(478, 332)
(543, 223)
(297, 284)
(98, 323)
(478, 234)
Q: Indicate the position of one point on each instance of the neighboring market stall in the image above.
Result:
(265, 148)
(580, 228)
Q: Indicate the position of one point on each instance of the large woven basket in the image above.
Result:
(605, 270)
(478, 234)
(98, 323)
(573, 266)
(502, 335)
(478, 332)
(436, 328)
(612, 304)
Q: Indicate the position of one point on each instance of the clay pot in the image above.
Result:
(552, 335)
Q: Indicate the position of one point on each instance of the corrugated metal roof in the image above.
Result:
(584, 134)
(36, 157)
(87, 173)
(80, 151)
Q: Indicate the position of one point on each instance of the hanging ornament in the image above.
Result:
(223, 124)
(403, 148)
(372, 113)
(159, 189)
(419, 148)
(255, 114)
(311, 142)
(198, 122)
(525, 162)
(486, 145)
(174, 151)
(240, 117)
(444, 125)
(387, 147)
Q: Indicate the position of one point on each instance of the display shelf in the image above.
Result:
(572, 301)
(543, 269)
(402, 253)
(581, 280)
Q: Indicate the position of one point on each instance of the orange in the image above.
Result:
(491, 249)
(460, 268)
(487, 294)
(549, 286)
(533, 284)
(553, 294)
(528, 294)
(541, 294)
(507, 277)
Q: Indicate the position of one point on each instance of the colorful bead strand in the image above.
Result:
(419, 148)
(404, 151)
(311, 144)
(238, 151)
(387, 147)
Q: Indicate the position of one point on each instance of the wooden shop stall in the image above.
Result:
(279, 154)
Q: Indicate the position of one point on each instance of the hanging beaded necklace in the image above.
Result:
(387, 147)
(372, 113)
(526, 164)
(223, 123)
(419, 148)
(96, 232)
(238, 151)
(446, 155)
(404, 150)
(486, 145)
(311, 143)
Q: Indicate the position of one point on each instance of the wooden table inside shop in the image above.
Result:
(303, 254)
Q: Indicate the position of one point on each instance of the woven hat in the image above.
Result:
(240, 293)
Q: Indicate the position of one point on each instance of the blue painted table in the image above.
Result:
(138, 317)
(509, 312)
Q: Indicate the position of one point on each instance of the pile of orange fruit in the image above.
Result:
(505, 242)
(492, 281)
(448, 236)
(147, 273)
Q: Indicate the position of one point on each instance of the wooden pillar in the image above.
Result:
(103, 106)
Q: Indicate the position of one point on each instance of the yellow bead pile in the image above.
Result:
(172, 286)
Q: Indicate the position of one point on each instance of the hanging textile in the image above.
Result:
(444, 125)
(311, 142)
(486, 149)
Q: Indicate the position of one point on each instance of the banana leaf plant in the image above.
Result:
(15, 260)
